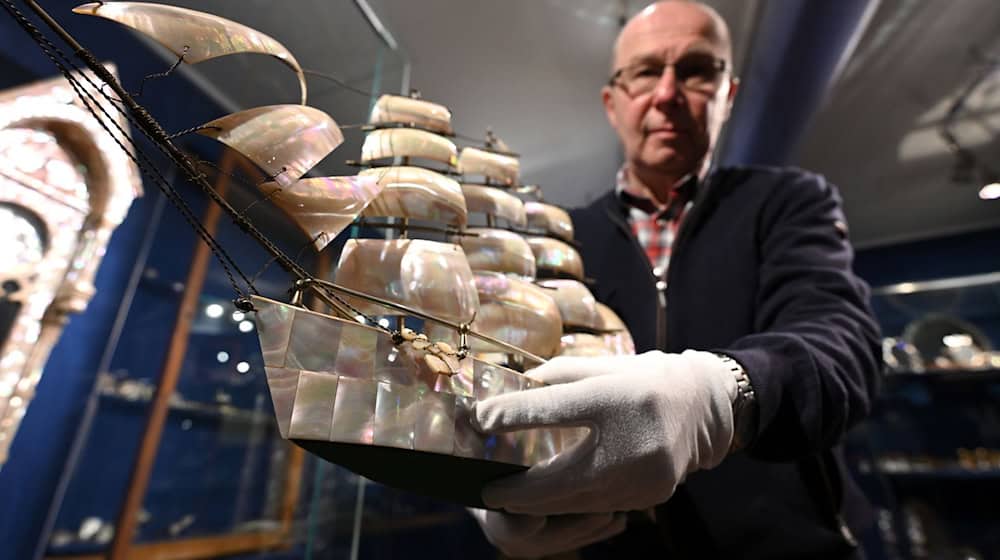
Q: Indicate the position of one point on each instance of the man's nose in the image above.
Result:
(667, 90)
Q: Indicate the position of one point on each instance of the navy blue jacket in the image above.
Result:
(761, 271)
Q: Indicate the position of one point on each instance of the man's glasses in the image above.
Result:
(699, 72)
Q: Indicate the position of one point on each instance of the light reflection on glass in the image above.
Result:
(214, 310)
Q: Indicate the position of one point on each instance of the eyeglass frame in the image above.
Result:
(721, 65)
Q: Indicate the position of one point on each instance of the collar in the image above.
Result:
(683, 192)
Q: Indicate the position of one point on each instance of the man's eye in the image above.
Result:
(648, 72)
(696, 68)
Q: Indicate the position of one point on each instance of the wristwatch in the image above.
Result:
(744, 405)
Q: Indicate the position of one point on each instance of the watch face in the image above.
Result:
(21, 239)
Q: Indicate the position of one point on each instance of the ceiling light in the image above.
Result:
(990, 191)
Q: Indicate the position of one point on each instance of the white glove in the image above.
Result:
(654, 418)
(529, 536)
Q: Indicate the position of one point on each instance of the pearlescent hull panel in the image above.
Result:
(495, 202)
(417, 193)
(408, 142)
(430, 276)
(395, 109)
(339, 381)
(497, 167)
(556, 258)
(576, 304)
(196, 36)
(323, 206)
(497, 250)
(286, 141)
(550, 219)
(517, 312)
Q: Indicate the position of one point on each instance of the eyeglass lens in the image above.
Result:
(694, 71)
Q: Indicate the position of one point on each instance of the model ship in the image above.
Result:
(464, 286)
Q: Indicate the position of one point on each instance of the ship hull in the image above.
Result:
(346, 393)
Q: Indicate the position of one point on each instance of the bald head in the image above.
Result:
(674, 17)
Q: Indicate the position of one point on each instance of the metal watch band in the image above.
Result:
(744, 405)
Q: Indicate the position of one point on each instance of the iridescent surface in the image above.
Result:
(356, 354)
(610, 321)
(432, 277)
(314, 343)
(312, 414)
(282, 383)
(495, 202)
(417, 193)
(554, 257)
(517, 312)
(274, 326)
(205, 36)
(411, 411)
(396, 109)
(434, 428)
(494, 166)
(619, 342)
(395, 418)
(408, 142)
(497, 250)
(584, 345)
(286, 141)
(617, 336)
(550, 219)
(354, 411)
(323, 206)
(468, 442)
(576, 304)
(589, 345)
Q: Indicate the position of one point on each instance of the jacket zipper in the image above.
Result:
(661, 296)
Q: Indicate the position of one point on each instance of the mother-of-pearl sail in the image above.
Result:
(196, 36)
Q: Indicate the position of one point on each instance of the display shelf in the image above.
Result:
(210, 410)
(945, 376)
(944, 472)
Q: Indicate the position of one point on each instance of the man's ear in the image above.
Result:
(609, 106)
(734, 87)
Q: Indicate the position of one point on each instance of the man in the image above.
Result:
(764, 350)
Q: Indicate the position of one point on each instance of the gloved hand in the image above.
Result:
(653, 419)
(529, 536)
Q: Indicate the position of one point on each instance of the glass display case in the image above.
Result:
(930, 453)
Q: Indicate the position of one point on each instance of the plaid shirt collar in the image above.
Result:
(684, 192)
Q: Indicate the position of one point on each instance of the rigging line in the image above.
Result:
(187, 131)
(298, 256)
(265, 198)
(47, 47)
(340, 82)
(245, 181)
(158, 75)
